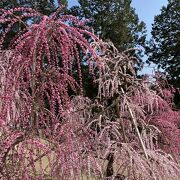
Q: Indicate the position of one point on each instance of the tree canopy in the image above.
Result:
(115, 20)
(46, 7)
(164, 46)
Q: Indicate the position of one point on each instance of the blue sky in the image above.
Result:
(146, 10)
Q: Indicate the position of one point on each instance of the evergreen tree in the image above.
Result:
(115, 20)
(164, 46)
(46, 7)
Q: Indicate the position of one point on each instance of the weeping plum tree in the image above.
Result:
(47, 134)
(36, 75)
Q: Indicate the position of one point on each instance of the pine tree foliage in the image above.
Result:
(164, 46)
(43, 6)
(115, 20)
